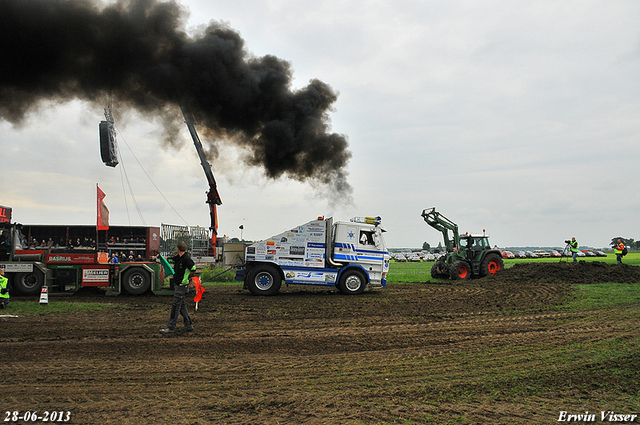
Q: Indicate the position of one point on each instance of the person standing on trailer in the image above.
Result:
(5, 245)
(184, 270)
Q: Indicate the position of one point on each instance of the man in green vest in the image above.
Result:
(574, 249)
(4, 290)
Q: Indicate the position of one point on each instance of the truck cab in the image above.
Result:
(359, 244)
(350, 256)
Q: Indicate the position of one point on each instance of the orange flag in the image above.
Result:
(103, 211)
(199, 289)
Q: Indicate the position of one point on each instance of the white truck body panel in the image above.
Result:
(316, 253)
(303, 246)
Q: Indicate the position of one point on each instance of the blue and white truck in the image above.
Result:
(351, 256)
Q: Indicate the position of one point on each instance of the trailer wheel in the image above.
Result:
(136, 281)
(460, 270)
(29, 283)
(492, 264)
(352, 282)
(264, 280)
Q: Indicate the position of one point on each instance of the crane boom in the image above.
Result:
(213, 197)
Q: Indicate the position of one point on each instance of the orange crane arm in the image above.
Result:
(213, 197)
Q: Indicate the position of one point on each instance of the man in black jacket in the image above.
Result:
(184, 269)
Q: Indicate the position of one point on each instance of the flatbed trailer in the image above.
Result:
(57, 256)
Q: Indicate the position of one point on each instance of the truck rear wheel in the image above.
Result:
(263, 279)
(352, 282)
(136, 281)
(29, 283)
(492, 264)
(460, 270)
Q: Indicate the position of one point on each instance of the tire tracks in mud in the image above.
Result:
(297, 358)
(318, 336)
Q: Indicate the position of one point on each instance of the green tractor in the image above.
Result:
(467, 255)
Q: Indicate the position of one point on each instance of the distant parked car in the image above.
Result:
(589, 253)
(600, 253)
(508, 254)
(541, 253)
(530, 254)
(520, 254)
(554, 253)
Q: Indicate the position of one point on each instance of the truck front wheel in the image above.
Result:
(352, 282)
(264, 280)
(460, 270)
(136, 281)
(29, 283)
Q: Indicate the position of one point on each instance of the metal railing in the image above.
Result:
(197, 239)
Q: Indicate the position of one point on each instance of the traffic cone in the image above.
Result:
(44, 296)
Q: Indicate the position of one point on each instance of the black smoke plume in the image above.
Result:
(138, 52)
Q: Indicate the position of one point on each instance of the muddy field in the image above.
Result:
(475, 352)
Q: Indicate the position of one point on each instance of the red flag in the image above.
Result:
(103, 211)
(199, 289)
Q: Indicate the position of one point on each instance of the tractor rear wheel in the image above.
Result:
(460, 270)
(491, 265)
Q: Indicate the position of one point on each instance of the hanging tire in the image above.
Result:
(352, 282)
(460, 270)
(263, 279)
(491, 265)
(29, 283)
(136, 281)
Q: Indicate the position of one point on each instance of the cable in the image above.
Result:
(150, 179)
(126, 205)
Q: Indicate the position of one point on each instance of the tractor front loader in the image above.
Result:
(467, 255)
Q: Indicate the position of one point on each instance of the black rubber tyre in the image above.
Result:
(491, 264)
(136, 281)
(29, 283)
(460, 270)
(439, 269)
(352, 282)
(263, 279)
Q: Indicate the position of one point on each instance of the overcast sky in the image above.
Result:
(518, 117)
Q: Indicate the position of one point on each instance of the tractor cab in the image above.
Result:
(472, 247)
